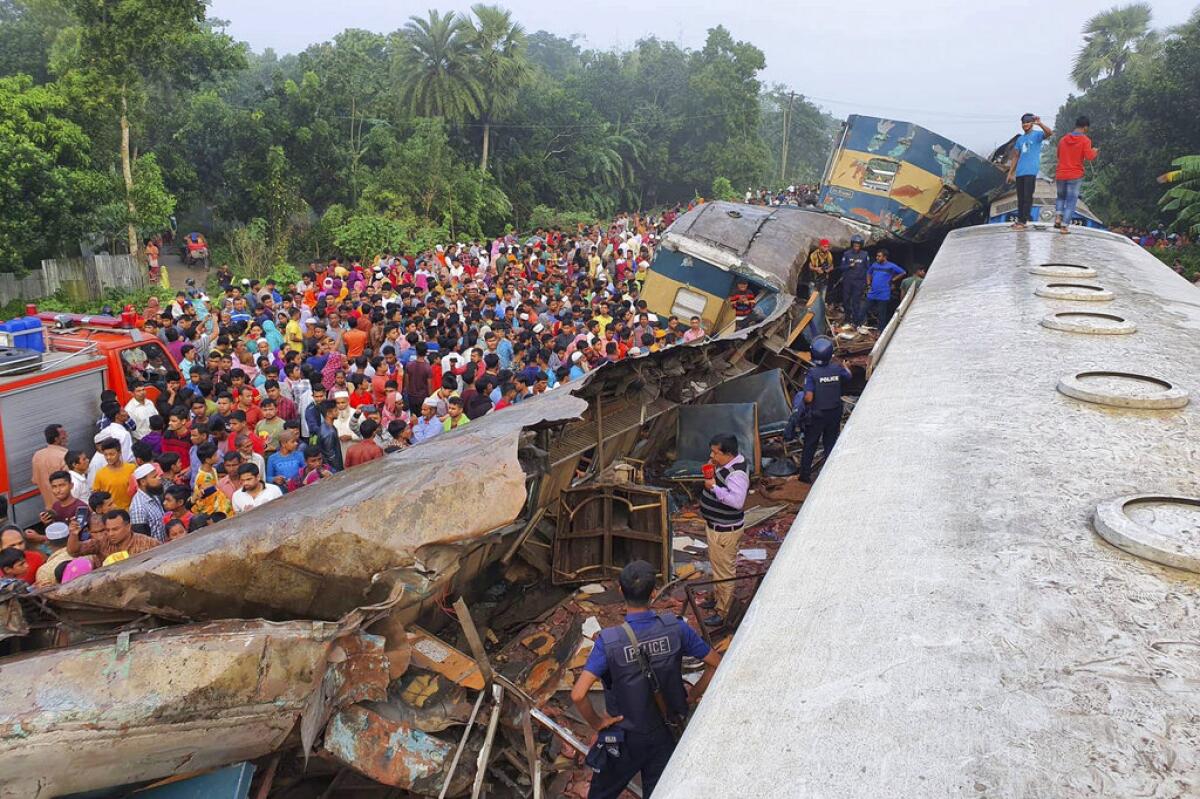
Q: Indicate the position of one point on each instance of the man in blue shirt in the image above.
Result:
(881, 276)
(1023, 165)
(633, 735)
(287, 461)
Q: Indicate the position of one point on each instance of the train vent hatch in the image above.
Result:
(603, 527)
(1062, 270)
(1082, 292)
(1123, 390)
(1092, 322)
(1164, 529)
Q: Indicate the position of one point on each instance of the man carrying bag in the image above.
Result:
(640, 664)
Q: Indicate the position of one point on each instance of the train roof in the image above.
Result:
(943, 618)
(768, 244)
(1045, 192)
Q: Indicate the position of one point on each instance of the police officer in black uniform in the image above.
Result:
(823, 388)
(645, 697)
(853, 269)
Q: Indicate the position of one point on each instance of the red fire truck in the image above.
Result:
(83, 356)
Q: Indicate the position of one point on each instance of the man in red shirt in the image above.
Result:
(1073, 150)
(367, 449)
(21, 564)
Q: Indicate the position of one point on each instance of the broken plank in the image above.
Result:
(524, 534)
(756, 516)
(485, 754)
(462, 743)
(432, 653)
(535, 764)
(469, 629)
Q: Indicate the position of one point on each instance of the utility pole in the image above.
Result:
(787, 121)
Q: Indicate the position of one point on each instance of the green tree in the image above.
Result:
(1110, 39)
(497, 46)
(46, 184)
(1183, 198)
(28, 32)
(722, 189)
(433, 68)
(127, 44)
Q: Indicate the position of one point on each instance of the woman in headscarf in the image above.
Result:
(153, 308)
(335, 364)
(272, 335)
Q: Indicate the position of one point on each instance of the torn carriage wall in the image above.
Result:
(185, 698)
(317, 553)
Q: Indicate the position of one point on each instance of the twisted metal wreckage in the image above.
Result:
(284, 626)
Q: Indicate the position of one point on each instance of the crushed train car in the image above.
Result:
(400, 532)
(705, 251)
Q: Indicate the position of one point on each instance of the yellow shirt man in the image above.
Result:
(115, 480)
(294, 335)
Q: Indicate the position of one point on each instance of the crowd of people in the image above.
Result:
(798, 194)
(280, 386)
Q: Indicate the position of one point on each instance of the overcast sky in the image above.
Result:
(964, 68)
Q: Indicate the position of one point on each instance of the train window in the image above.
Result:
(880, 173)
(688, 303)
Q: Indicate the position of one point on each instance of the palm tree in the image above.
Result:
(497, 46)
(433, 63)
(1111, 39)
(1184, 195)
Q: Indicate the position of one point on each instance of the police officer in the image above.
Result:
(823, 388)
(645, 697)
(854, 265)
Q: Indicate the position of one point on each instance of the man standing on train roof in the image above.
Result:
(640, 663)
(1073, 150)
(1024, 163)
(824, 386)
(742, 301)
(726, 483)
(855, 262)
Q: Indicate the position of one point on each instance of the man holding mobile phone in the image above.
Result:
(726, 482)
(65, 506)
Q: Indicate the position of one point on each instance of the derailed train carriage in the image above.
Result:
(280, 627)
(706, 251)
(1008, 605)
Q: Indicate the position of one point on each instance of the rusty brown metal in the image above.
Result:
(391, 752)
(146, 706)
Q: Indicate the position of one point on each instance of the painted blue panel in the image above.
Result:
(702, 275)
(231, 782)
(960, 170)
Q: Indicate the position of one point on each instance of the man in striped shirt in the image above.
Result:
(721, 506)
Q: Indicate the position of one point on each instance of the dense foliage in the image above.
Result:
(126, 111)
(1143, 98)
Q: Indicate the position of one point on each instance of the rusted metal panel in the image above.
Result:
(391, 752)
(142, 707)
(316, 553)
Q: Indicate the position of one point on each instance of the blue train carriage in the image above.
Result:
(1004, 209)
(906, 181)
(705, 252)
